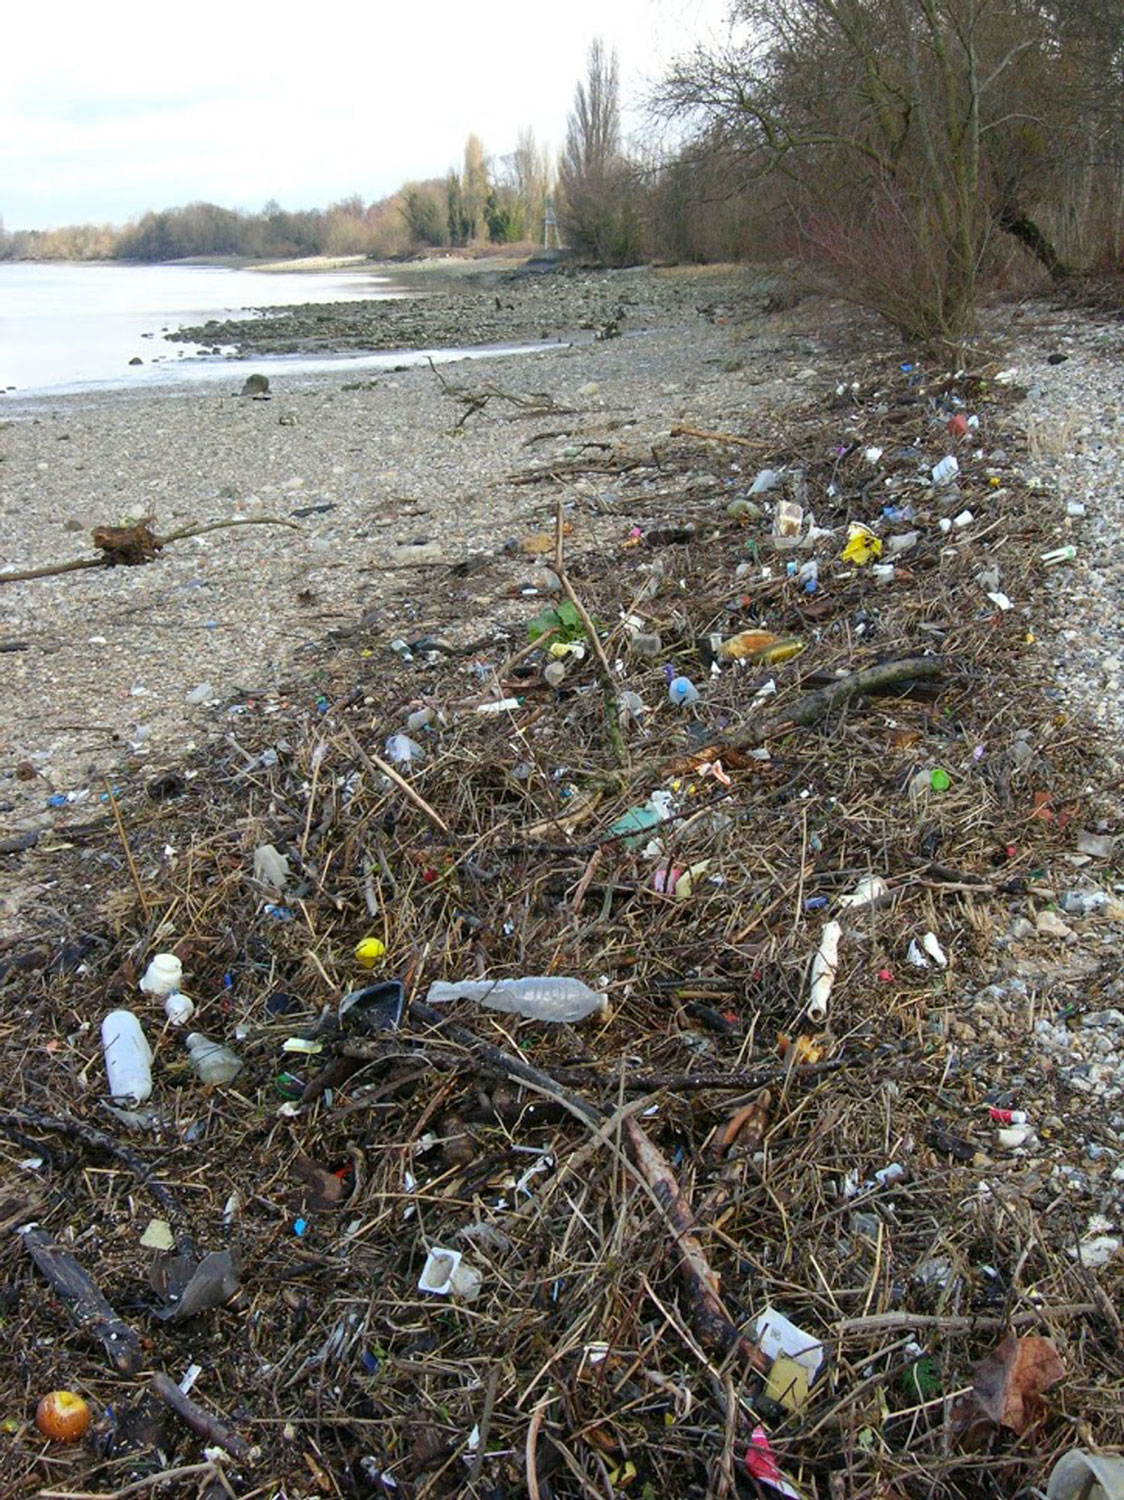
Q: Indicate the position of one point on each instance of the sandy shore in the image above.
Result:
(388, 494)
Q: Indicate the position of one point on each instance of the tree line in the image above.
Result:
(909, 153)
(486, 201)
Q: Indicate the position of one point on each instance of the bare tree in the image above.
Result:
(900, 132)
(597, 210)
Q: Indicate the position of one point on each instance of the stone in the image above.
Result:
(1049, 924)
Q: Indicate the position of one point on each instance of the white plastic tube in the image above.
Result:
(824, 966)
(128, 1058)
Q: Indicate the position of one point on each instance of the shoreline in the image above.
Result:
(99, 688)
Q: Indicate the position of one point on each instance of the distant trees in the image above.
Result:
(598, 202)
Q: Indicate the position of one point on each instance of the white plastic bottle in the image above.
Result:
(213, 1061)
(128, 1058)
(179, 1008)
(163, 975)
(544, 997)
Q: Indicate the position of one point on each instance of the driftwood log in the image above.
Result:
(79, 1294)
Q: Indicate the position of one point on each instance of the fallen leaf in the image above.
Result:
(1007, 1385)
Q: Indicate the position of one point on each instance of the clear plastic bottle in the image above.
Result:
(213, 1061)
(128, 1058)
(542, 997)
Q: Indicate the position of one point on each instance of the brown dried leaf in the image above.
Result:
(1008, 1383)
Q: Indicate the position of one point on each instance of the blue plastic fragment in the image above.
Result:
(300, 1228)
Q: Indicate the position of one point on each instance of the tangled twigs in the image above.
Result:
(608, 686)
(534, 404)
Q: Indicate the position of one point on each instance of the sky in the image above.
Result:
(109, 110)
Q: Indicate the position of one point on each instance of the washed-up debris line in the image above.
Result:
(768, 1176)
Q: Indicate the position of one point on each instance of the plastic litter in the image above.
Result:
(869, 889)
(760, 646)
(401, 750)
(947, 469)
(788, 520)
(863, 545)
(128, 1058)
(446, 1273)
(545, 997)
(1059, 555)
(214, 1062)
(369, 950)
(1079, 1475)
(775, 1335)
(498, 706)
(763, 1466)
(378, 1007)
(271, 868)
(637, 821)
(919, 953)
(768, 479)
(905, 541)
(179, 1008)
(163, 975)
(682, 692)
(824, 966)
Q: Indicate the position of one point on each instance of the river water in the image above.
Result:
(73, 328)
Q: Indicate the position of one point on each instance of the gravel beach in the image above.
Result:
(105, 670)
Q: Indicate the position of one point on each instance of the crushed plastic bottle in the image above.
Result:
(128, 1058)
(213, 1061)
(543, 997)
(760, 646)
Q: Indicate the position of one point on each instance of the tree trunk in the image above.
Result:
(1012, 217)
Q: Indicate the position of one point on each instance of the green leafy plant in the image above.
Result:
(565, 622)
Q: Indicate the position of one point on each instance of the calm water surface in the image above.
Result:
(67, 328)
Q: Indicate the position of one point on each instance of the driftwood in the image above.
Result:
(716, 1329)
(129, 546)
(208, 1427)
(88, 1309)
(100, 1140)
(878, 679)
(718, 437)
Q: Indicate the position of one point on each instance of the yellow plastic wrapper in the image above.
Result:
(862, 545)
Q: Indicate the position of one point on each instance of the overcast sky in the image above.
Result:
(110, 109)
